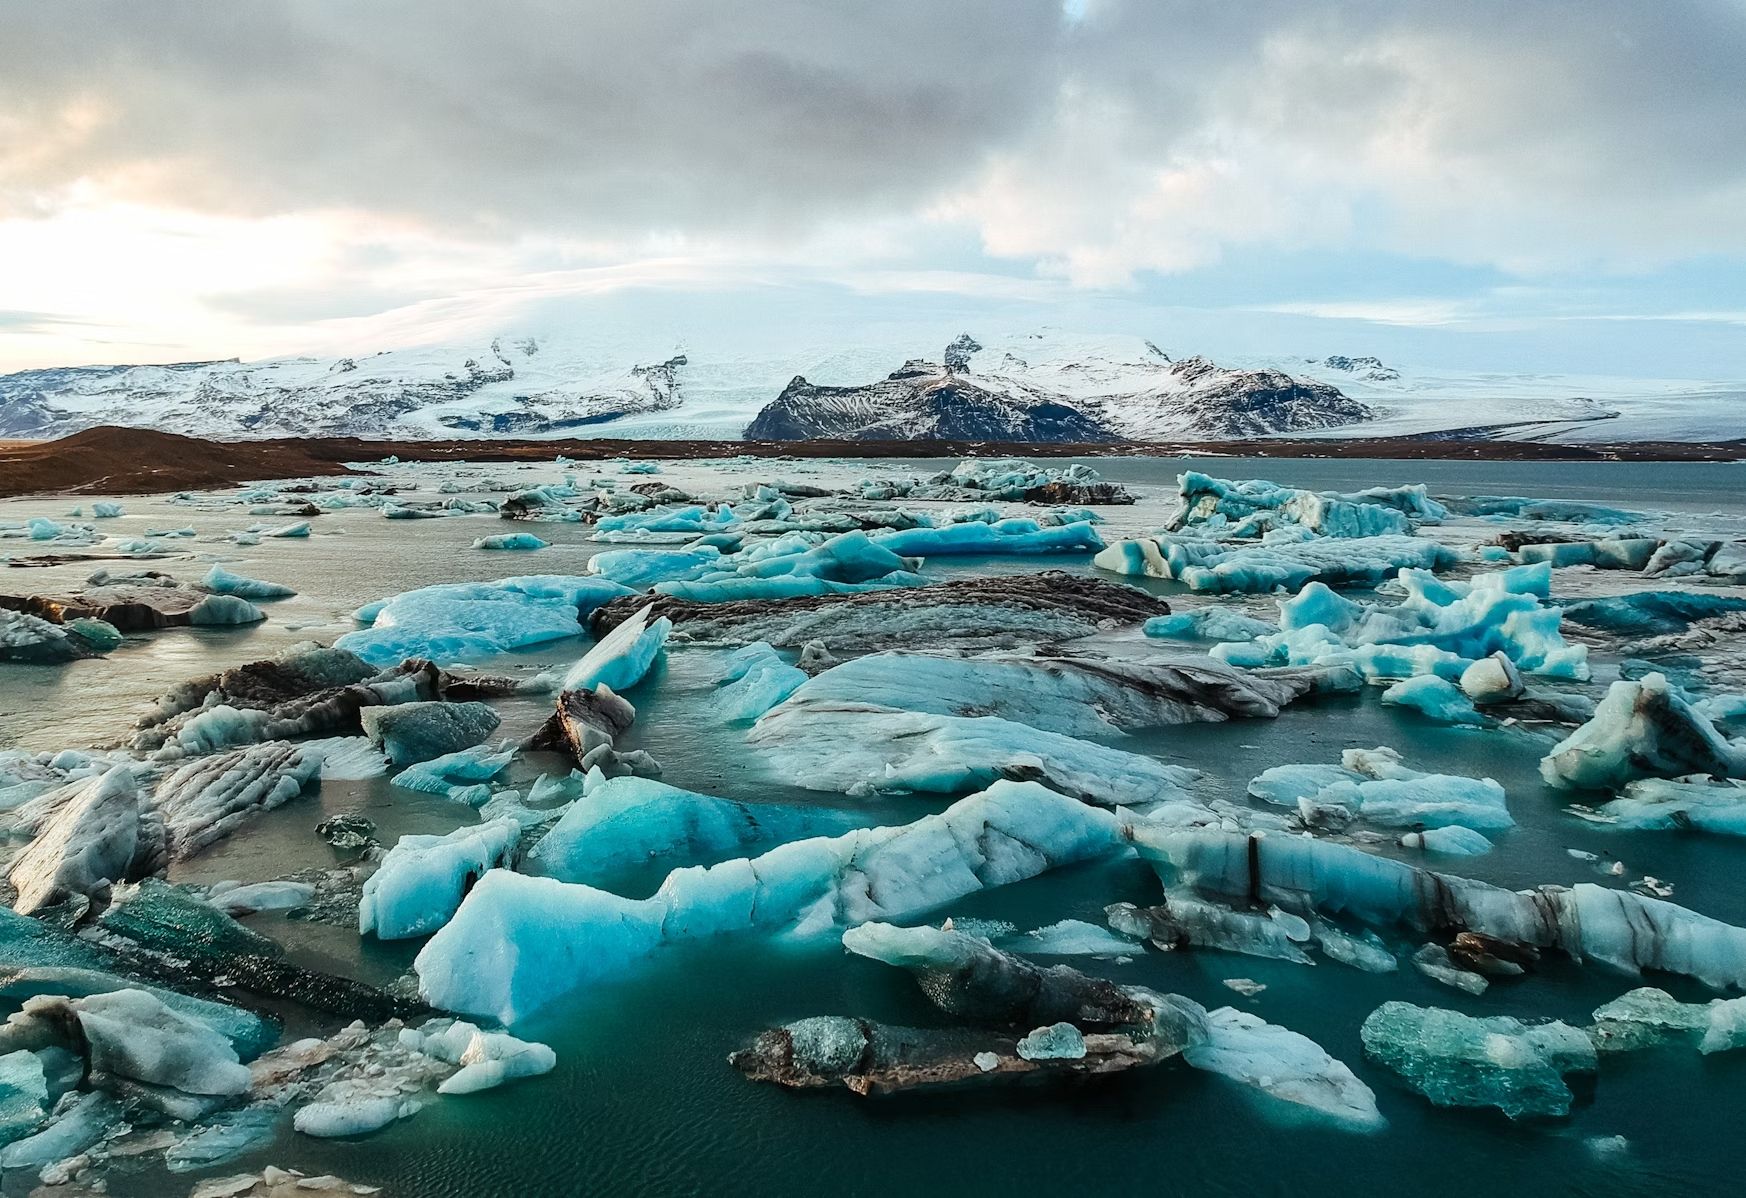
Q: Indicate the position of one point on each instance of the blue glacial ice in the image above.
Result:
(1452, 840)
(1312, 877)
(460, 776)
(621, 657)
(1290, 1069)
(1073, 938)
(220, 581)
(664, 521)
(798, 564)
(519, 942)
(1662, 805)
(1216, 566)
(1017, 536)
(1209, 624)
(1458, 1060)
(1075, 695)
(1374, 785)
(1435, 699)
(225, 610)
(1252, 507)
(455, 622)
(1642, 729)
(640, 568)
(860, 749)
(511, 540)
(422, 879)
(625, 823)
(757, 680)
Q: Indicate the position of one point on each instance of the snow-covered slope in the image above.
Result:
(1048, 385)
(1043, 388)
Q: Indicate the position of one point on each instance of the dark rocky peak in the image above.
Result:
(958, 353)
(917, 368)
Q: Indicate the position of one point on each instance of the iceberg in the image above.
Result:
(423, 879)
(1642, 729)
(518, 942)
(1451, 840)
(1310, 877)
(1077, 695)
(511, 540)
(1002, 536)
(1458, 1060)
(757, 681)
(463, 621)
(1376, 786)
(621, 658)
(1647, 1017)
(860, 749)
(1657, 804)
(460, 775)
(418, 731)
(1224, 567)
(1185, 922)
(1435, 699)
(207, 799)
(1209, 623)
(643, 567)
(624, 823)
(220, 581)
(93, 833)
(130, 1034)
(1286, 1067)
(28, 638)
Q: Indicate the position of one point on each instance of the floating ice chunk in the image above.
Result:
(687, 518)
(1306, 876)
(1209, 623)
(459, 776)
(627, 822)
(225, 610)
(1366, 952)
(1057, 1042)
(1182, 921)
(1642, 729)
(1452, 840)
(220, 581)
(28, 638)
(419, 731)
(1647, 1017)
(81, 1122)
(1435, 699)
(643, 567)
(859, 749)
(1375, 786)
(761, 680)
(511, 540)
(518, 942)
(487, 1059)
(1075, 695)
(24, 1098)
(622, 657)
(423, 879)
(105, 509)
(1434, 961)
(261, 896)
(132, 1034)
(97, 832)
(1004, 536)
(1456, 1060)
(1659, 805)
(1073, 938)
(351, 1108)
(1492, 679)
(1285, 1066)
(461, 621)
(207, 799)
(347, 758)
(292, 531)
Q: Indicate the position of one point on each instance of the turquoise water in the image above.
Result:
(643, 1102)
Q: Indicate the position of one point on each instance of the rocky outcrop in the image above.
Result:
(1091, 400)
(996, 611)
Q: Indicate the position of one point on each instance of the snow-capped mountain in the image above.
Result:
(551, 380)
(504, 386)
(1029, 390)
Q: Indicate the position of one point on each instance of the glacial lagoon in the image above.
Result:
(642, 1098)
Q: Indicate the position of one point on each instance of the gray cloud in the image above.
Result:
(1484, 129)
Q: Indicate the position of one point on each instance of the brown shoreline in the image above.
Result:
(129, 461)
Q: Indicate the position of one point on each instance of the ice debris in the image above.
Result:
(1458, 1060)
(469, 620)
(1376, 786)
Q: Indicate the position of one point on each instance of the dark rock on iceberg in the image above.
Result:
(995, 611)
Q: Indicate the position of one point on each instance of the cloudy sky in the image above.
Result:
(1554, 184)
